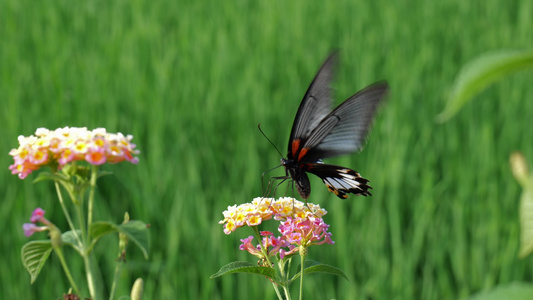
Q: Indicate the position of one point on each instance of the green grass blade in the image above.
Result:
(516, 291)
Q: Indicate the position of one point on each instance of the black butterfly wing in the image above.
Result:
(344, 130)
(339, 180)
(315, 105)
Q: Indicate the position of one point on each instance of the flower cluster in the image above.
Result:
(272, 244)
(36, 216)
(301, 225)
(261, 209)
(68, 144)
(306, 232)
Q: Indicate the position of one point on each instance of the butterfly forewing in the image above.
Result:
(315, 105)
(344, 130)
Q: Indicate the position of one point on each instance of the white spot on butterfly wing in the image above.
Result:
(340, 183)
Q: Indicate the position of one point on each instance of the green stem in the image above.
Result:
(90, 277)
(302, 260)
(285, 277)
(59, 253)
(287, 293)
(67, 215)
(94, 175)
(277, 290)
(118, 267)
(85, 251)
(84, 238)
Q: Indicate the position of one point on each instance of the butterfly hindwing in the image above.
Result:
(340, 180)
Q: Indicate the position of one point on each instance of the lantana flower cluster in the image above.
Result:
(65, 145)
(301, 225)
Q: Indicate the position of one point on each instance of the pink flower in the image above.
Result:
(247, 246)
(39, 156)
(38, 215)
(30, 228)
(292, 249)
(306, 232)
(270, 243)
(64, 145)
(96, 156)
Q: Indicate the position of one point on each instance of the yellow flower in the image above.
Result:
(262, 209)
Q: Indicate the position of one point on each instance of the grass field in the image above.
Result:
(191, 80)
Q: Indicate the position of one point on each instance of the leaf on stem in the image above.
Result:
(51, 176)
(34, 254)
(69, 239)
(245, 267)
(135, 230)
(312, 266)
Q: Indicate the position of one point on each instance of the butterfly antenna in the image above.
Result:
(266, 137)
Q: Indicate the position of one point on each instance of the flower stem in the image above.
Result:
(285, 277)
(90, 278)
(67, 215)
(277, 291)
(85, 250)
(59, 253)
(94, 175)
(303, 252)
(118, 267)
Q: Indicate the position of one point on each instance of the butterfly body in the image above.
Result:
(297, 173)
(319, 132)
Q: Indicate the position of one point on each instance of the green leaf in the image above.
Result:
(69, 239)
(480, 73)
(136, 231)
(51, 176)
(245, 267)
(34, 254)
(311, 266)
(526, 221)
(515, 291)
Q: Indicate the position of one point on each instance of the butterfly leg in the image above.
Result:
(270, 181)
(272, 186)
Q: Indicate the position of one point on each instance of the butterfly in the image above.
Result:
(319, 132)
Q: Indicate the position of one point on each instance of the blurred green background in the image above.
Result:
(192, 79)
